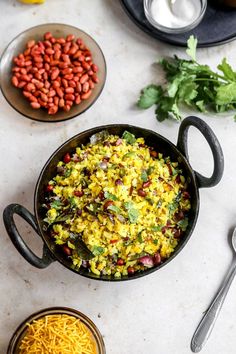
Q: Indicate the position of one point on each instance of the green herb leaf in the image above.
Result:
(227, 70)
(188, 91)
(172, 207)
(82, 249)
(150, 201)
(128, 205)
(114, 208)
(157, 228)
(97, 250)
(183, 224)
(56, 204)
(72, 202)
(130, 138)
(110, 196)
(174, 85)
(192, 46)
(226, 94)
(139, 237)
(150, 170)
(133, 213)
(144, 176)
(130, 154)
(149, 96)
(67, 172)
(192, 84)
(98, 137)
(93, 208)
(178, 197)
(201, 106)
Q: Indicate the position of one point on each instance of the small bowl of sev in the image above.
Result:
(57, 330)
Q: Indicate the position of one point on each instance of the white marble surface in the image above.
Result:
(156, 314)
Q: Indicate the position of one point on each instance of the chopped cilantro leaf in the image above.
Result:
(144, 176)
(114, 208)
(157, 228)
(110, 196)
(183, 224)
(97, 250)
(130, 138)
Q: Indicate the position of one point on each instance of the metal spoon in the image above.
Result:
(206, 325)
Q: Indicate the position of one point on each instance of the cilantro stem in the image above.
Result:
(206, 79)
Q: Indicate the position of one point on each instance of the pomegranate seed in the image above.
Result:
(118, 182)
(49, 188)
(67, 158)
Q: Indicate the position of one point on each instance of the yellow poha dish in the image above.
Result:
(128, 203)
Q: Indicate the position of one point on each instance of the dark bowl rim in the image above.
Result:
(138, 274)
(55, 310)
(74, 115)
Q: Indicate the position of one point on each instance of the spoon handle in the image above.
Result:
(206, 325)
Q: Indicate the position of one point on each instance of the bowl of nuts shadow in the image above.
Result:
(60, 74)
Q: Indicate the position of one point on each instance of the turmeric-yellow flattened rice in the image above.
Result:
(128, 203)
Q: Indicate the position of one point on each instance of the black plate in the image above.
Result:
(217, 27)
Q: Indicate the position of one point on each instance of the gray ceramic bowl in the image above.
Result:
(15, 97)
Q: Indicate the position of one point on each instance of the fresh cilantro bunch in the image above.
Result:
(193, 84)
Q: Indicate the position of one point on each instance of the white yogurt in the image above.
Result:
(175, 13)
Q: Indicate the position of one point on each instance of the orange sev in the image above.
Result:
(57, 334)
